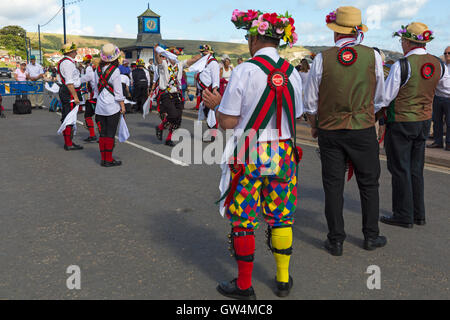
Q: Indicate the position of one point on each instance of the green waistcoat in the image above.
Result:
(414, 101)
(346, 93)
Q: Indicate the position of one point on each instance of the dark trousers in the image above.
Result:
(441, 109)
(405, 150)
(361, 147)
(140, 96)
(108, 125)
(172, 105)
(66, 101)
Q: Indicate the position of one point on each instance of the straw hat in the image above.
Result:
(416, 32)
(68, 48)
(109, 53)
(346, 20)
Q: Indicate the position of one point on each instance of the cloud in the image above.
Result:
(392, 11)
(20, 12)
(119, 32)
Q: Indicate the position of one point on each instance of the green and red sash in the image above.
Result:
(104, 77)
(279, 95)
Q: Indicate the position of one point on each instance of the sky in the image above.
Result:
(210, 20)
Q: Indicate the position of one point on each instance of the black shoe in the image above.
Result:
(231, 290)
(393, 221)
(420, 222)
(91, 139)
(283, 288)
(2, 116)
(74, 147)
(435, 146)
(373, 244)
(170, 143)
(40, 108)
(335, 248)
(114, 163)
(159, 134)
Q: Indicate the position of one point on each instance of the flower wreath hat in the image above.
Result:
(68, 48)
(416, 32)
(346, 20)
(270, 25)
(109, 53)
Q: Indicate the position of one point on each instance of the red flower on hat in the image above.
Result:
(251, 15)
(426, 35)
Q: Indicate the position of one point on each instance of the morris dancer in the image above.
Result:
(409, 119)
(170, 99)
(110, 102)
(208, 78)
(264, 95)
(345, 89)
(88, 77)
(70, 91)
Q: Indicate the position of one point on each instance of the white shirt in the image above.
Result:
(315, 78)
(393, 81)
(443, 87)
(211, 75)
(21, 76)
(108, 104)
(125, 79)
(35, 70)
(164, 76)
(245, 89)
(70, 72)
(89, 77)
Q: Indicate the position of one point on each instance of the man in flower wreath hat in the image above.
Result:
(345, 90)
(259, 170)
(410, 89)
(70, 90)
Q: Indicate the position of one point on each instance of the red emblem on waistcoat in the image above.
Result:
(277, 79)
(347, 56)
(428, 70)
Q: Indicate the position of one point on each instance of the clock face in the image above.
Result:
(151, 25)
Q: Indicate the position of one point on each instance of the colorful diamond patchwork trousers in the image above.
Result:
(269, 185)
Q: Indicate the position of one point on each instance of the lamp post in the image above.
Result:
(64, 20)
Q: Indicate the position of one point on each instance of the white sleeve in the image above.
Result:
(117, 85)
(215, 74)
(298, 89)
(392, 84)
(68, 71)
(311, 98)
(379, 91)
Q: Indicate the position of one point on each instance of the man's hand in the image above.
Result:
(314, 133)
(76, 101)
(211, 99)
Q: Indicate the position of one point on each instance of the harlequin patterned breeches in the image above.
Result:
(268, 185)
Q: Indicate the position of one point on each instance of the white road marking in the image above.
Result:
(174, 161)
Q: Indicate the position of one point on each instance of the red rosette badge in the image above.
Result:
(347, 56)
(277, 79)
(428, 70)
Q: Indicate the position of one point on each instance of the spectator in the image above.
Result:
(225, 73)
(124, 67)
(304, 71)
(21, 75)
(441, 108)
(240, 61)
(36, 73)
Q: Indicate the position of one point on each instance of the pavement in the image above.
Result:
(150, 229)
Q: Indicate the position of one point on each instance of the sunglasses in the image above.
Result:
(446, 53)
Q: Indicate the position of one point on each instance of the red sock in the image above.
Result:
(244, 246)
(68, 136)
(169, 136)
(161, 126)
(199, 100)
(90, 125)
(109, 147)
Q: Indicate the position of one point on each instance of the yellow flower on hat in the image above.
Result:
(288, 33)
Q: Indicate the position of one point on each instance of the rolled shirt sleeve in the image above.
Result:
(311, 97)
(379, 100)
(117, 85)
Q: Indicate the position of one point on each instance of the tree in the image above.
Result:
(12, 38)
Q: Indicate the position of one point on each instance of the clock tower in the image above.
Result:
(149, 27)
